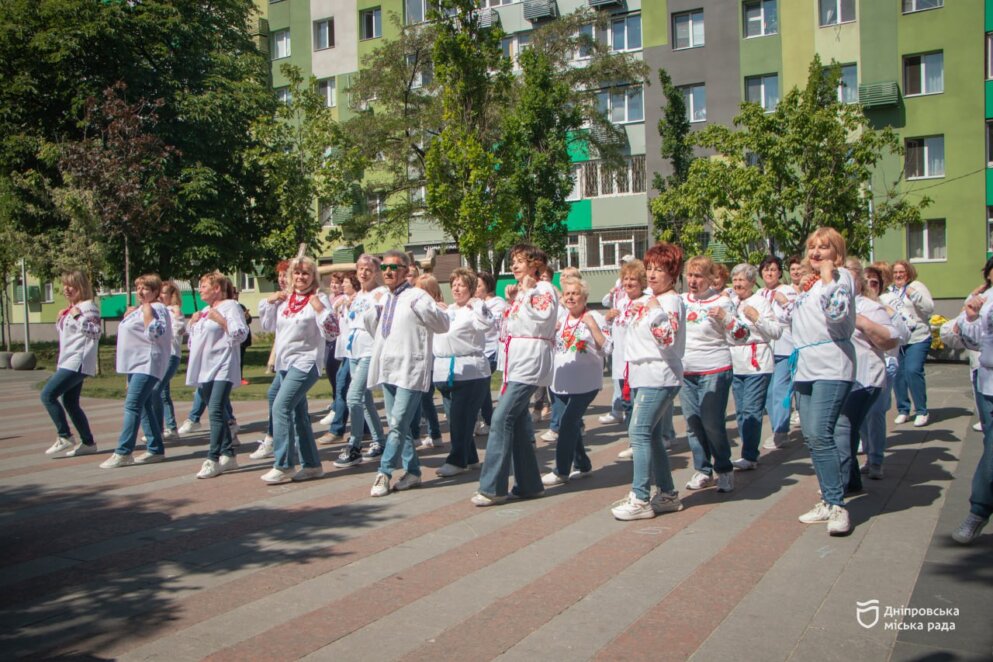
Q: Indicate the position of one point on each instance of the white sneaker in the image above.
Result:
(116, 461)
(149, 458)
(448, 470)
(550, 435)
(977, 426)
(381, 486)
(699, 481)
(901, 419)
(170, 433)
(819, 513)
(970, 529)
(578, 475)
(482, 429)
(276, 476)
(776, 440)
(920, 421)
(143, 439)
(82, 449)
(838, 522)
(209, 469)
(632, 508)
(327, 419)
(427, 443)
(744, 465)
(725, 482)
(551, 479)
(308, 473)
(264, 450)
(189, 426)
(608, 419)
(408, 481)
(61, 445)
(228, 463)
(795, 419)
(666, 502)
(626, 454)
(329, 439)
(483, 501)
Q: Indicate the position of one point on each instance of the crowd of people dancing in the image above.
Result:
(829, 345)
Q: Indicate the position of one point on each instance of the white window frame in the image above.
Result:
(281, 44)
(626, 21)
(693, 16)
(283, 94)
(913, 6)
(576, 172)
(762, 6)
(989, 55)
(325, 214)
(926, 229)
(851, 90)
(592, 179)
(499, 3)
(327, 89)
(693, 113)
(926, 62)
(48, 292)
(838, 6)
(377, 23)
(324, 28)
(419, 4)
(989, 229)
(763, 80)
(928, 145)
(248, 282)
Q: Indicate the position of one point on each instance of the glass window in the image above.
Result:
(423, 75)
(622, 104)
(371, 23)
(695, 98)
(327, 92)
(925, 157)
(848, 85)
(833, 12)
(283, 94)
(586, 38)
(763, 90)
(248, 283)
(280, 44)
(625, 33)
(926, 241)
(923, 74)
(759, 18)
(920, 5)
(416, 11)
(687, 28)
(324, 34)
(49, 292)
(989, 55)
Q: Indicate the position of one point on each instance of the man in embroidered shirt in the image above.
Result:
(527, 335)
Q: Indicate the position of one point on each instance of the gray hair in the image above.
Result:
(747, 270)
(582, 285)
(400, 255)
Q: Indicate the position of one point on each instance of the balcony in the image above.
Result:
(595, 4)
(879, 95)
(536, 10)
(487, 17)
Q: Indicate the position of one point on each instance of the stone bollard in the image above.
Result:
(23, 361)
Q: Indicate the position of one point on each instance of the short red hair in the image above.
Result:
(282, 266)
(667, 256)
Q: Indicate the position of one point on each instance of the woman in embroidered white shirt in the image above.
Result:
(144, 341)
(823, 324)
(632, 287)
(214, 366)
(79, 331)
(303, 325)
(916, 304)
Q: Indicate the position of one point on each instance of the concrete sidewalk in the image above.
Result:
(147, 562)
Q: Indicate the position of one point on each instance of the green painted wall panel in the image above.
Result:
(390, 30)
(580, 216)
(879, 59)
(619, 211)
(989, 186)
(989, 98)
(655, 23)
(797, 23)
(294, 15)
(989, 15)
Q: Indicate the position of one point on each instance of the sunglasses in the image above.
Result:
(391, 267)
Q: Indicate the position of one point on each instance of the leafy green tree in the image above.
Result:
(777, 176)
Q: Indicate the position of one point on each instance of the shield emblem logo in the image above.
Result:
(867, 613)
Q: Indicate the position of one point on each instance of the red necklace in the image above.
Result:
(296, 303)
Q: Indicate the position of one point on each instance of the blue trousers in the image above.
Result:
(873, 429)
(342, 381)
(67, 385)
(820, 404)
(569, 446)
(645, 429)
(462, 401)
(217, 394)
(200, 406)
(910, 382)
(846, 433)
(981, 498)
(401, 408)
(705, 402)
(291, 420)
(750, 393)
(165, 416)
(141, 389)
(487, 409)
(509, 441)
(361, 409)
(779, 386)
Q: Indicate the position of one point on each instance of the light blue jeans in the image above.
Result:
(779, 387)
(820, 405)
(650, 408)
(846, 433)
(291, 420)
(141, 389)
(509, 441)
(361, 409)
(705, 403)
(981, 498)
(750, 393)
(68, 385)
(910, 378)
(873, 430)
(165, 416)
(402, 405)
(569, 446)
(200, 406)
(270, 395)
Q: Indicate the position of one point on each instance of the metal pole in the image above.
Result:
(24, 299)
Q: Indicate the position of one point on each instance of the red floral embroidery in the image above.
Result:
(740, 332)
(541, 301)
(580, 345)
(692, 317)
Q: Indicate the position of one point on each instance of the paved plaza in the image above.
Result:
(148, 563)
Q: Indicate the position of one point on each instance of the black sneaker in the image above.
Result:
(350, 456)
(375, 450)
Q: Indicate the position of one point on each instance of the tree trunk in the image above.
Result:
(127, 273)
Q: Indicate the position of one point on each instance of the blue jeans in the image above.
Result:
(509, 441)
(401, 408)
(750, 393)
(820, 404)
(487, 409)
(342, 380)
(66, 384)
(981, 498)
(779, 387)
(291, 420)
(164, 417)
(650, 408)
(429, 412)
(705, 402)
(873, 430)
(200, 406)
(569, 446)
(620, 407)
(141, 388)
(910, 378)
(462, 401)
(270, 395)
(558, 407)
(846, 433)
(217, 394)
(361, 408)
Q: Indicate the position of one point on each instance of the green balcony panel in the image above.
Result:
(879, 95)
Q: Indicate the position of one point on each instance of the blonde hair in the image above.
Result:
(151, 281)
(216, 278)
(309, 264)
(468, 278)
(834, 239)
(429, 284)
(569, 272)
(175, 298)
(704, 264)
(635, 268)
(886, 272)
(78, 281)
(909, 268)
